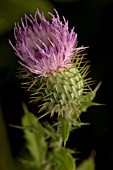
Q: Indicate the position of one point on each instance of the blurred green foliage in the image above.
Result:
(45, 147)
(6, 161)
(12, 10)
(35, 139)
(87, 164)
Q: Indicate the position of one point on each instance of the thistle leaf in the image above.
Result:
(34, 135)
(86, 100)
(64, 129)
(64, 160)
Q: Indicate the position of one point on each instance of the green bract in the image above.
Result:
(61, 92)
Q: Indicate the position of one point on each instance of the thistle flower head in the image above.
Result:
(48, 49)
(44, 47)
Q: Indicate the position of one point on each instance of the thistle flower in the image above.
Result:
(44, 47)
(49, 52)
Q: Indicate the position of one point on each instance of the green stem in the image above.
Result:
(6, 161)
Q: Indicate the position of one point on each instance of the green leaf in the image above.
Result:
(64, 129)
(35, 140)
(87, 164)
(86, 100)
(64, 160)
(92, 94)
(12, 10)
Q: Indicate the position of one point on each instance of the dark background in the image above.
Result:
(93, 23)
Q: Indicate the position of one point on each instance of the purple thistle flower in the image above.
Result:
(44, 47)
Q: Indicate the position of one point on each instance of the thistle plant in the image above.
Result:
(55, 69)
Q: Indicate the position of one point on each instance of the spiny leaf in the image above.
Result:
(64, 129)
(86, 100)
(35, 138)
(64, 160)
